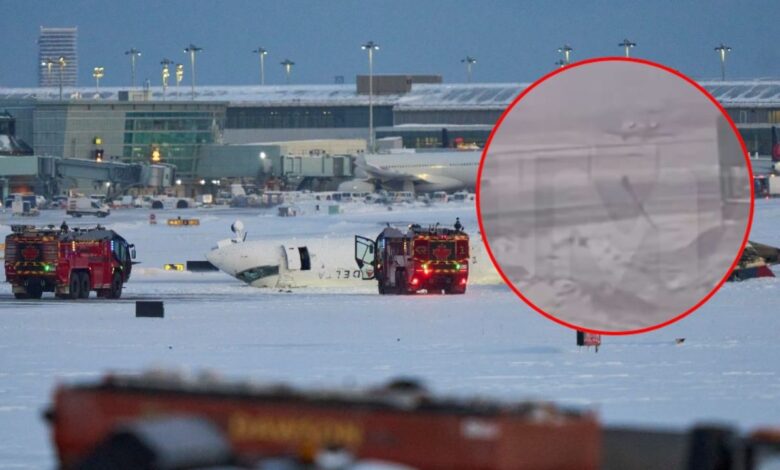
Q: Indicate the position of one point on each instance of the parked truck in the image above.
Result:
(433, 259)
(70, 263)
(78, 206)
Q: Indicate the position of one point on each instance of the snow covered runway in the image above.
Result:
(485, 342)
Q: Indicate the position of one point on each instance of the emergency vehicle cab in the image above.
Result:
(433, 259)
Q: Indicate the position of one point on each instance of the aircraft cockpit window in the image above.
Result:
(251, 275)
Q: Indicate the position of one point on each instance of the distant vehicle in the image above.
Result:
(406, 262)
(31, 199)
(23, 205)
(377, 198)
(68, 263)
(401, 196)
(205, 200)
(79, 206)
(223, 197)
(170, 202)
(59, 202)
(462, 196)
(342, 197)
(142, 202)
(439, 196)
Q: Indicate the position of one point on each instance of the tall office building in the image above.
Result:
(54, 43)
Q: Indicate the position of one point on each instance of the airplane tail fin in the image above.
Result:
(361, 166)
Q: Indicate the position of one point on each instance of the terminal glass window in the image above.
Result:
(177, 135)
(306, 117)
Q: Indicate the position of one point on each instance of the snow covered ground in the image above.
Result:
(485, 342)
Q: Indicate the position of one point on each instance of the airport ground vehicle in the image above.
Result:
(399, 422)
(78, 206)
(166, 421)
(70, 263)
(432, 259)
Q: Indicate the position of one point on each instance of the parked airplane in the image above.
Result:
(421, 171)
(313, 262)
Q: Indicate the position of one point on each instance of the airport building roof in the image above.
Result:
(752, 93)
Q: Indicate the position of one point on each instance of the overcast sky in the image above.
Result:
(512, 40)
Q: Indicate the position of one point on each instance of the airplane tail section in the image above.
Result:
(361, 166)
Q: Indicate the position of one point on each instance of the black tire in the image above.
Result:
(400, 282)
(74, 285)
(34, 291)
(456, 290)
(115, 291)
(182, 204)
(84, 292)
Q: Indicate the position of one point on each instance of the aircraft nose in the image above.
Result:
(216, 258)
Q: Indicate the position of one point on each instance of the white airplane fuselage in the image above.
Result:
(427, 171)
(313, 262)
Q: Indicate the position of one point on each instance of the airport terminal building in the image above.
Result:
(185, 130)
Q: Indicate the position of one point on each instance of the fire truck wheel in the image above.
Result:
(74, 286)
(400, 282)
(84, 290)
(116, 287)
(456, 290)
(34, 291)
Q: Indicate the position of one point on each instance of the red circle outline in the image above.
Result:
(542, 80)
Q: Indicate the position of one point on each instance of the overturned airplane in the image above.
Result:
(755, 262)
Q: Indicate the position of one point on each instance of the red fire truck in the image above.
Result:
(166, 421)
(159, 418)
(404, 262)
(70, 263)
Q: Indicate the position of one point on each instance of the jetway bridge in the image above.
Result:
(53, 175)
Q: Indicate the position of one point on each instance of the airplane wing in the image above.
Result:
(769, 254)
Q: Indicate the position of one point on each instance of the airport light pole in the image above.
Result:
(179, 77)
(166, 74)
(287, 64)
(469, 61)
(133, 53)
(566, 51)
(722, 50)
(63, 63)
(48, 63)
(97, 74)
(627, 46)
(192, 49)
(262, 53)
(370, 46)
